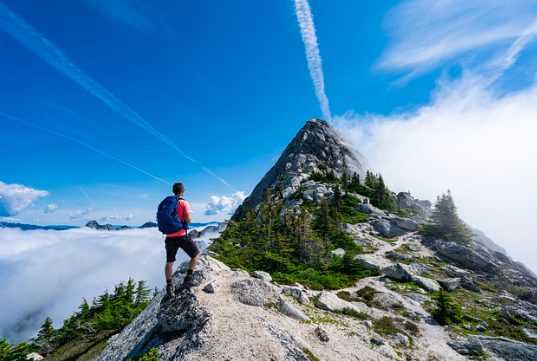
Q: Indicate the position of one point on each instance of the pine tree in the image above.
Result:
(446, 223)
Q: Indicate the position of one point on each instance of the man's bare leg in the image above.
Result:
(168, 271)
(188, 278)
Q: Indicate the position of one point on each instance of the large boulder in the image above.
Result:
(426, 283)
(509, 349)
(386, 301)
(465, 257)
(330, 302)
(368, 262)
(398, 272)
(253, 292)
(297, 294)
(450, 284)
(388, 227)
(288, 309)
(407, 224)
(369, 209)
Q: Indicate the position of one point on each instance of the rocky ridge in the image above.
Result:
(232, 315)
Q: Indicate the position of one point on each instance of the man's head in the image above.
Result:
(178, 189)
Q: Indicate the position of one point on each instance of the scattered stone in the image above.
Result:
(339, 252)
(330, 302)
(367, 324)
(362, 307)
(530, 333)
(427, 283)
(386, 301)
(369, 209)
(469, 285)
(450, 284)
(418, 298)
(388, 352)
(211, 287)
(237, 272)
(377, 341)
(297, 294)
(398, 256)
(401, 339)
(414, 247)
(262, 276)
(470, 346)
(34, 356)
(480, 328)
(288, 309)
(509, 349)
(363, 242)
(322, 334)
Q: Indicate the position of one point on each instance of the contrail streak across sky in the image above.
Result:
(36, 42)
(85, 145)
(315, 64)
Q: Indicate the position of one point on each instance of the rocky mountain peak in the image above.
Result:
(317, 148)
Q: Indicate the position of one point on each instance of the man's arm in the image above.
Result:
(188, 218)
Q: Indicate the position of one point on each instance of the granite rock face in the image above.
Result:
(317, 143)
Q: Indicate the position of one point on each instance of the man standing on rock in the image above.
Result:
(182, 240)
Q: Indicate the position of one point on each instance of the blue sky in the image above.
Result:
(114, 97)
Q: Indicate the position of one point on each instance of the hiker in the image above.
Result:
(180, 239)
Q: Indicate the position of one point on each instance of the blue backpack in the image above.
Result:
(167, 218)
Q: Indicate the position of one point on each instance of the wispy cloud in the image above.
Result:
(80, 213)
(14, 198)
(224, 204)
(138, 14)
(38, 44)
(88, 197)
(85, 145)
(118, 217)
(313, 56)
(425, 34)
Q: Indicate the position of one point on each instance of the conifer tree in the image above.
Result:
(446, 223)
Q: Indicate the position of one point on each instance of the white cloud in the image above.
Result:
(68, 265)
(224, 204)
(14, 198)
(426, 33)
(118, 217)
(51, 208)
(313, 55)
(479, 145)
(79, 213)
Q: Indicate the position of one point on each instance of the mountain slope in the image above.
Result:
(391, 274)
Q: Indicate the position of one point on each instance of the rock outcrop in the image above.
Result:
(315, 146)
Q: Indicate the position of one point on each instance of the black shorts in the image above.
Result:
(184, 242)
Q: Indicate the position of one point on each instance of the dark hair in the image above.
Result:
(178, 188)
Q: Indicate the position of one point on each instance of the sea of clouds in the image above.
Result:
(47, 273)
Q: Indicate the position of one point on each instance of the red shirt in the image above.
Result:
(183, 208)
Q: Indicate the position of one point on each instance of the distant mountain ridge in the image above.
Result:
(91, 224)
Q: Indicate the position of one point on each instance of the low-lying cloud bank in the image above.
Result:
(46, 273)
(470, 140)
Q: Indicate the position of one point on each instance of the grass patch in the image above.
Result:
(310, 355)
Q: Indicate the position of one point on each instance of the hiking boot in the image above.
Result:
(188, 282)
(169, 291)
